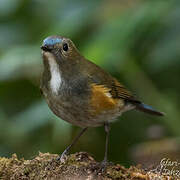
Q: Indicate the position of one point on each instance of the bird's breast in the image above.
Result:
(55, 75)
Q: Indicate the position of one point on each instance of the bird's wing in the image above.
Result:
(114, 88)
(119, 91)
(98, 76)
(107, 97)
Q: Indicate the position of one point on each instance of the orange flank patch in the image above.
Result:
(101, 99)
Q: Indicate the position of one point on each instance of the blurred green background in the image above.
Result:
(136, 41)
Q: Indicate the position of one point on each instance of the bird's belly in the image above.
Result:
(72, 113)
(81, 114)
(80, 117)
(110, 115)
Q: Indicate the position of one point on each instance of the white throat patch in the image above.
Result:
(55, 81)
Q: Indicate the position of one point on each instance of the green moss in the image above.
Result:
(78, 166)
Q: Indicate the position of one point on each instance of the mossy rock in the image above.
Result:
(78, 166)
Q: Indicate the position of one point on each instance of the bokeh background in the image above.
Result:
(136, 41)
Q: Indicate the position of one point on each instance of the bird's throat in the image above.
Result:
(55, 80)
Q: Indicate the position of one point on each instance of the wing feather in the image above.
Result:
(119, 91)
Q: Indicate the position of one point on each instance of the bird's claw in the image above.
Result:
(103, 166)
(63, 157)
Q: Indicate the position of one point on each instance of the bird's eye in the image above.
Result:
(65, 47)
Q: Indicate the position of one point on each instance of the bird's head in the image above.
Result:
(60, 48)
(61, 60)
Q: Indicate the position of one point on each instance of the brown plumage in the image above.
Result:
(80, 92)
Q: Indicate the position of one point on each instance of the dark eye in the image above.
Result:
(65, 47)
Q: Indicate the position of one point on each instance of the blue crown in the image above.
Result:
(51, 41)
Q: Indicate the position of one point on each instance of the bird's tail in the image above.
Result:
(148, 109)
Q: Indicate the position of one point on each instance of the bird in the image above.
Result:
(82, 93)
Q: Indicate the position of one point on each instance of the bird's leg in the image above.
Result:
(105, 161)
(62, 157)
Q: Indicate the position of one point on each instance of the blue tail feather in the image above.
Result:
(148, 109)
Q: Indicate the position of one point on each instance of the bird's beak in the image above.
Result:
(46, 48)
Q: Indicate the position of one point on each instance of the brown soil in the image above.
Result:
(78, 166)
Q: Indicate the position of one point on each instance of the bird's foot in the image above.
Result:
(103, 166)
(63, 157)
